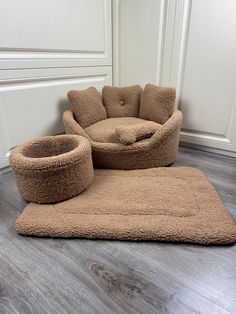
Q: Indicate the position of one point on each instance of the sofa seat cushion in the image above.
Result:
(105, 131)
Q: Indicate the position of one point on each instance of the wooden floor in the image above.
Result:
(84, 276)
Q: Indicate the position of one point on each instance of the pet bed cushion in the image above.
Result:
(104, 131)
(168, 204)
(121, 101)
(157, 103)
(87, 106)
(52, 168)
(130, 134)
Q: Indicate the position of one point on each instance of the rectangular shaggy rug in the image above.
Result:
(166, 204)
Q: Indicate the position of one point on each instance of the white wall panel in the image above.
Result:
(33, 106)
(55, 33)
(45, 25)
(188, 44)
(47, 48)
(209, 83)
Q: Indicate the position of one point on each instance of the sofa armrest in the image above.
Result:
(171, 126)
(168, 128)
(72, 126)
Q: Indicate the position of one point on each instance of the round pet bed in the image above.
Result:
(53, 168)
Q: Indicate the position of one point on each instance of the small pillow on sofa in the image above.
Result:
(87, 106)
(130, 134)
(121, 101)
(157, 103)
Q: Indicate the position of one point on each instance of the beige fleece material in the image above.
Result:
(130, 134)
(87, 106)
(157, 103)
(52, 168)
(158, 151)
(105, 131)
(121, 101)
(165, 204)
(107, 150)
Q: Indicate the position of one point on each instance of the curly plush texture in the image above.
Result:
(52, 168)
(166, 204)
(130, 134)
(158, 151)
(105, 131)
(121, 101)
(157, 103)
(72, 126)
(87, 106)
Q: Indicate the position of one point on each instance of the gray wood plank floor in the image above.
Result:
(84, 276)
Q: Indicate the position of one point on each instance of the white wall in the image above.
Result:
(46, 49)
(193, 45)
(209, 81)
(134, 22)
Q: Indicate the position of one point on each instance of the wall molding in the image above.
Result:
(116, 41)
(42, 98)
(161, 41)
(183, 50)
(174, 27)
(204, 139)
(23, 58)
(176, 33)
(37, 52)
(208, 149)
(231, 132)
(50, 81)
(34, 81)
(13, 77)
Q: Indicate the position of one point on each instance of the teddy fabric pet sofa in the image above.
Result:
(127, 128)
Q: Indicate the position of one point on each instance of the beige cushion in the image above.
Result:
(121, 101)
(157, 103)
(87, 106)
(104, 131)
(133, 133)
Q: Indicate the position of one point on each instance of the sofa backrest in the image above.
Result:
(121, 101)
(87, 106)
(157, 103)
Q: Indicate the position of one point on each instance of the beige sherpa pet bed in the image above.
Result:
(167, 204)
(51, 169)
(126, 130)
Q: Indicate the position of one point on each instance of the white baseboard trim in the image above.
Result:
(209, 149)
(5, 170)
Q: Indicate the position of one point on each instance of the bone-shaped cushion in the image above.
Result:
(130, 134)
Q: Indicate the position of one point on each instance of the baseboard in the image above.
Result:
(5, 170)
(209, 149)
